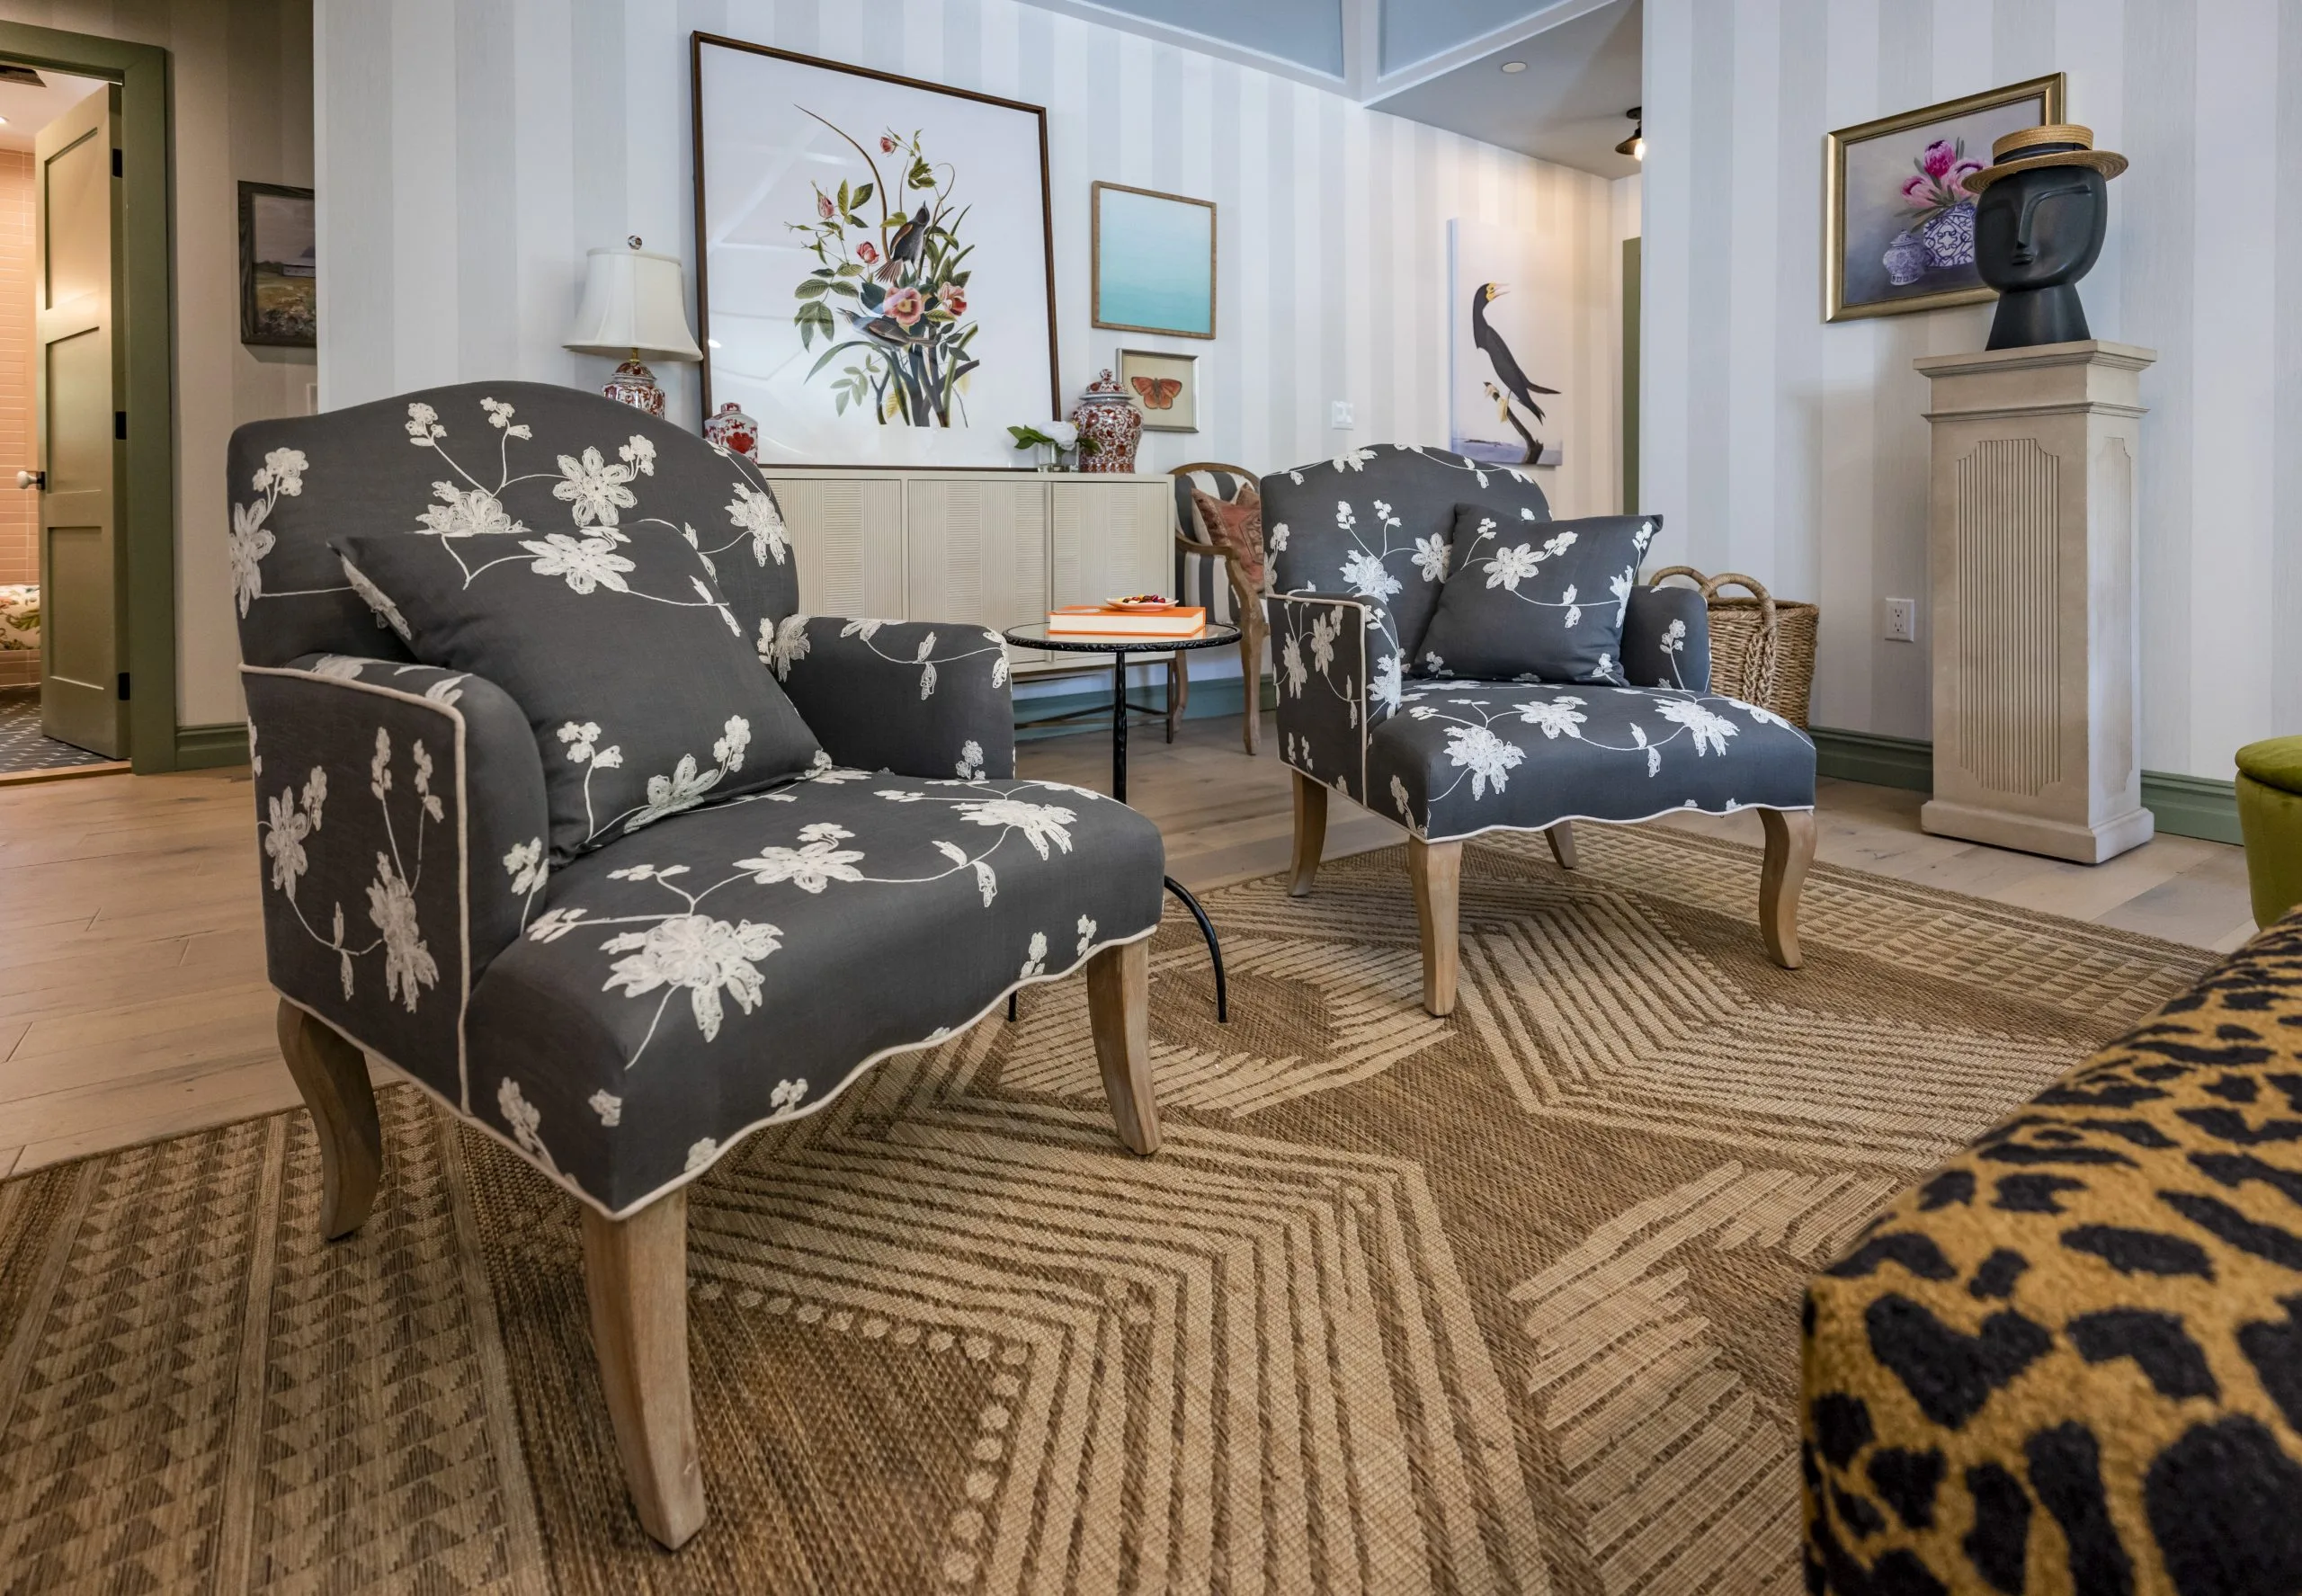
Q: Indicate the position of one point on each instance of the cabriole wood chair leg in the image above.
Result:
(1437, 872)
(331, 1073)
(1310, 833)
(1789, 850)
(1178, 690)
(634, 1273)
(1562, 844)
(1118, 1013)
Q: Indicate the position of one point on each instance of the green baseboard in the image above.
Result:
(1208, 701)
(1881, 761)
(2182, 806)
(204, 747)
(2192, 806)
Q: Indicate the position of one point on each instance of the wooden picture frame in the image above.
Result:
(279, 296)
(1164, 410)
(1161, 231)
(957, 429)
(1871, 267)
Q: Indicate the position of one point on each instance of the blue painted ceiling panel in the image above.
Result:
(1417, 30)
(1308, 33)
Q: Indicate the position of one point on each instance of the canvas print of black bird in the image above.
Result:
(1511, 386)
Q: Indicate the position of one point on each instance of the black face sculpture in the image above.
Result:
(2036, 234)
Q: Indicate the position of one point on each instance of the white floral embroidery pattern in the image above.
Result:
(696, 954)
(292, 818)
(815, 864)
(249, 539)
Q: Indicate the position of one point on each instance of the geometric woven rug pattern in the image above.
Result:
(1506, 1302)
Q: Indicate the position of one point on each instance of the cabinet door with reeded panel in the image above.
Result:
(1110, 539)
(976, 552)
(848, 535)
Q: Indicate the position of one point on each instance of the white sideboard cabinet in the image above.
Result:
(998, 548)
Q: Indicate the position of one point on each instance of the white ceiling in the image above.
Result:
(29, 110)
(1435, 61)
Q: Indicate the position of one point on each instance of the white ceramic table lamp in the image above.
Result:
(634, 306)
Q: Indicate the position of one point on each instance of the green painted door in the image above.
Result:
(76, 289)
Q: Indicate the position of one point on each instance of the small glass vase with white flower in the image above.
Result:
(1051, 442)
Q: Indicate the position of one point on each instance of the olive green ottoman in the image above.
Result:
(2269, 817)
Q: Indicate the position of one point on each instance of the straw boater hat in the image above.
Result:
(2051, 144)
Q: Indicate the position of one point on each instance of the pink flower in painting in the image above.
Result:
(868, 253)
(1940, 156)
(1959, 172)
(823, 205)
(1918, 190)
(905, 305)
(887, 144)
(952, 297)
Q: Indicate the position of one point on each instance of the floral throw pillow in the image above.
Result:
(1535, 599)
(1235, 525)
(644, 695)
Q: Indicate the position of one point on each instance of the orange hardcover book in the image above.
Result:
(1107, 621)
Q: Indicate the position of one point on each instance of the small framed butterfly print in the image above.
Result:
(1165, 386)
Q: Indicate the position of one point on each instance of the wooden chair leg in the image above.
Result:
(1118, 1013)
(1310, 833)
(1562, 844)
(1789, 850)
(1251, 639)
(331, 1073)
(1437, 870)
(1178, 690)
(634, 1273)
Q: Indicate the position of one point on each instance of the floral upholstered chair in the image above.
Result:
(645, 888)
(1363, 548)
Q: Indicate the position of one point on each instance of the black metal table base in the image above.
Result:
(1214, 948)
(1120, 708)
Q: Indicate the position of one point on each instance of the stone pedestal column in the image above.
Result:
(2032, 543)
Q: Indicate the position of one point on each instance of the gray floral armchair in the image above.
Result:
(622, 1004)
(1360, 546)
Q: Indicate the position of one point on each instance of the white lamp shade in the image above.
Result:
(633, 300)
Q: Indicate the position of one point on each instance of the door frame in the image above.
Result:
(147, 511)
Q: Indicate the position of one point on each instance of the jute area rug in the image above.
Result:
(1503, 1303)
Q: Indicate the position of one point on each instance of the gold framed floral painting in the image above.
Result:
(1898, 227)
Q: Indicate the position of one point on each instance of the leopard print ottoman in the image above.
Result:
(2071, 1360)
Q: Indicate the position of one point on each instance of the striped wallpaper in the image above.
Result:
(471, 151)
(1795, 451)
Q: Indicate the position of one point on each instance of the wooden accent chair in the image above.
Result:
(1360, 548)
(1237, 599)
(425, 906)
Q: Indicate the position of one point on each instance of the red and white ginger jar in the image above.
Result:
(734, 431)
(1105, 414)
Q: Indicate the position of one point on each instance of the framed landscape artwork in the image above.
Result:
(1153, 262)
(278, 284)
(875, 265)
(1898, 230)
(1165, 388)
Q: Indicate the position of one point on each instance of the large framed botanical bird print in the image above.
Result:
(874, 261)
(1503, 351)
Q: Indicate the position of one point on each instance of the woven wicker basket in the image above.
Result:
(1762, 648)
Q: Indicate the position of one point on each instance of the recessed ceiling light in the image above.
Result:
(1514, 66)
(3, 121)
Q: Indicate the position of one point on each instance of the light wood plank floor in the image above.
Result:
(133, 1002)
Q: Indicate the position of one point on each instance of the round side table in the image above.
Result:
(1036, 636)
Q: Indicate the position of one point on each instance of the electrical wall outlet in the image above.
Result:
(1902, 620)
(1339, 415)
